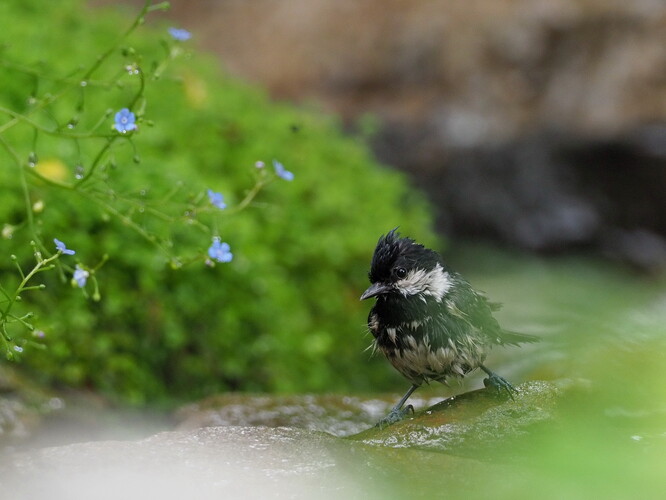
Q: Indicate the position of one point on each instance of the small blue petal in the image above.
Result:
(282, 172)
(60, 246)
(220, 251)
(124, 121)
(180, 34)
(80, 276)
(216, 199)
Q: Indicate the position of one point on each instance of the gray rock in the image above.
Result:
(478, 423)
(238, 462)
(214, 462)
(333, 414)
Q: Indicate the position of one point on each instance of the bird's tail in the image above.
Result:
(515, 338)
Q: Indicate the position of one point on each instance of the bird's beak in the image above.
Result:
(375, 289)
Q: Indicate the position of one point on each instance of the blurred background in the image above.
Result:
(535, 124)
(525, 139)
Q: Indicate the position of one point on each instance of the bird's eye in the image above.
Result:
(400, 272)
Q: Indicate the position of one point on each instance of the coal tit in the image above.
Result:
(428, 320)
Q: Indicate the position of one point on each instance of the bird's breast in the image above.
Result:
(421, 349)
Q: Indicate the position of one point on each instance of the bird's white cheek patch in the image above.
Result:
(435, 283)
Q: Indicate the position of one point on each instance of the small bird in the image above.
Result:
(428, 320)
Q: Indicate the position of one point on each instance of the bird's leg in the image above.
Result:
(497, 382)
(397, 413)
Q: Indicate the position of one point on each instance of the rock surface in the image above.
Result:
(474, 421)
(475, 445)
(22, 406)
(260, 458)
(227, 462)
(478, 423)
(336, 415)
(215, 462)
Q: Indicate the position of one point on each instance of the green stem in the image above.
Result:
(249, 197)
(22, 321)
(4, 315)
(127, 221)
(96, 161)
(142, 86)
(69, 79)
(48, 131)
(138, 21)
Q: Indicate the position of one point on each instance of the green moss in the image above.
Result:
(284, 315)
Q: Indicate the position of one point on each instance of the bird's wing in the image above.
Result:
(516, 338)
(472, 308)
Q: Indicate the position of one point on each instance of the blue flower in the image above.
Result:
(124, 121)
(80, 276)
(282, 172)
(60, 247)
(220, 251)
(180, 34)
(216, 199)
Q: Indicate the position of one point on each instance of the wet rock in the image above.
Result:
(478, 423)
(469, 423)
(217, 462)
(333, 414)
(33, 415)
(241, 462)
(23, 406)
(263, 458)
(16, 420)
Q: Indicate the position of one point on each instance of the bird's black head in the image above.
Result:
(401, 266)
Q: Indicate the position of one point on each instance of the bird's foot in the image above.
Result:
(499, 384)
(395, 415)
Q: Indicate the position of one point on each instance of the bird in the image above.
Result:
(429, 321)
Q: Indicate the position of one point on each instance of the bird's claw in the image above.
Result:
(395, 415)
(499, 383)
